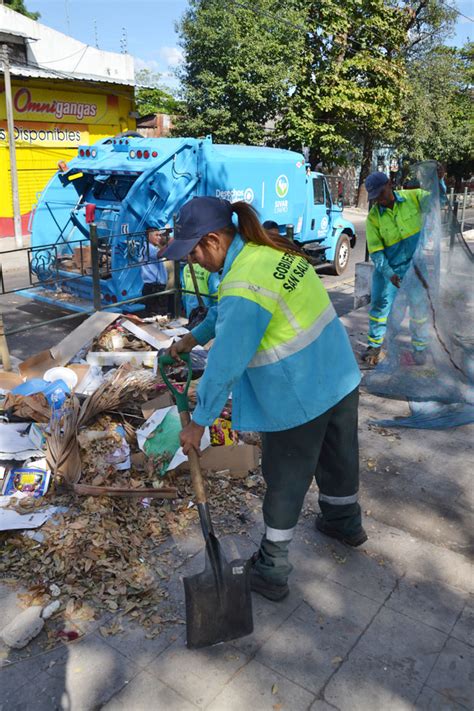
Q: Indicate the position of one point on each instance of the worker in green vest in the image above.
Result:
(208, 284)
(393, 230)
(281, 350)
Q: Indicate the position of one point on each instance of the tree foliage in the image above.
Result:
(438, 112)
(335, 78)
(352, 81)
(150, 98)
(19, 6)
(239, 67)
(430, 23)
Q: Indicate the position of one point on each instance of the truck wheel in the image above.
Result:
(341, 255)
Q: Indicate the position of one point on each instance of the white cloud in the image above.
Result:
(172, 56)
(151, 64)
(167, 74)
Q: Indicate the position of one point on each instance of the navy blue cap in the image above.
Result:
(270, 225)
(374, 184)
(197, 218)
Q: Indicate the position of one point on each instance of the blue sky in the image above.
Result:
(149, 24)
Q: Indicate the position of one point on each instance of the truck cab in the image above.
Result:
(325, 234)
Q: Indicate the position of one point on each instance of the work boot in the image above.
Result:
(350, 539)
(372, 356)
(262, 586)
(419, 357)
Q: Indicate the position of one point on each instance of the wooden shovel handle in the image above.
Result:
(195, 283)
(195, 467)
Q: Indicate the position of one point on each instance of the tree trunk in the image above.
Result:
(365, 170)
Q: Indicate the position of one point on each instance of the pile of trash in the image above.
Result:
(93, 482)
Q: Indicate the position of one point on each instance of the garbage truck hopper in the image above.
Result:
(130, 183)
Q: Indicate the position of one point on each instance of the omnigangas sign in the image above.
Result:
(24, 103)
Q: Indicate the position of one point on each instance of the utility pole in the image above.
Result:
(12, 148)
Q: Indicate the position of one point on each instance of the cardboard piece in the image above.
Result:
(37, 365)
(82, 257)
(81, 370)
(93, 326)
(236, 460)
(149, 334)
(15, 443)
(11, 520)
(9, 380)
(158, 403)
(60, 354)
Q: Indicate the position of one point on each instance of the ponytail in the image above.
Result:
(251, 230)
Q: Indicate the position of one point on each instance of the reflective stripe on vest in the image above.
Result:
(300, 341)
(286, 286)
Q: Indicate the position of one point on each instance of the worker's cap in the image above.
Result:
(270, 225)
(197, 218)
(374, 184)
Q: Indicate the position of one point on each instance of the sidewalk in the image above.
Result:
(389, 626)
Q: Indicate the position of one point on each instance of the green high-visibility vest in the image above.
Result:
(202, 278)
(386, 228)
(288, 287)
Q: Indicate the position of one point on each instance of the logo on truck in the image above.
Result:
(248, 195)
(233, 195)
(281, 186)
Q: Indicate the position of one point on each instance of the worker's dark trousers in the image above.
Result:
(155, 304)
(325, 448)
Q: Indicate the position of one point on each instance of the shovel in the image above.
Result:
(218, 600)
(199, 313)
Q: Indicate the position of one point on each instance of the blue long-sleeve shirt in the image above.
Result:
(154, 272)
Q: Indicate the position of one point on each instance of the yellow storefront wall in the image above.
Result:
(50, 123)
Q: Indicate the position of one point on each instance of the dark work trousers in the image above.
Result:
(325, 448)
(155, 304)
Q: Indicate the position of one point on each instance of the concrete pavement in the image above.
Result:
(387, 626)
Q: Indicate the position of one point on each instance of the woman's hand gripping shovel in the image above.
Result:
(218, 600)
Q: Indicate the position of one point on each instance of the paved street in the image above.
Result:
(388, 626)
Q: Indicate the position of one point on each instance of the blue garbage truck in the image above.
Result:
(134, 183)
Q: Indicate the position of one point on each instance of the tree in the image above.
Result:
(19, 6)
(352, 81)
(429, 24)
(438, 112)
(238, 67)
(334, 77)
(150, 98)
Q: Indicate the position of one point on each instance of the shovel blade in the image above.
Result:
(218, 600)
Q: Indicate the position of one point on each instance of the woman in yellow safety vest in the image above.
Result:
(208, 284)
(283, 353)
